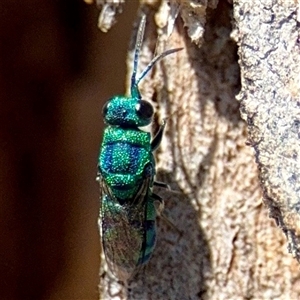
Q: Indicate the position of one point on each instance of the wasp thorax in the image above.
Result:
(127, 112)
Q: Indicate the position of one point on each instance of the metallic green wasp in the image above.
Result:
(126, 170)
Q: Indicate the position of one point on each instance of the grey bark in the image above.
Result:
(230, 248)
(269, 52)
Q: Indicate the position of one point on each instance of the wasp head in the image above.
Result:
(127, 112)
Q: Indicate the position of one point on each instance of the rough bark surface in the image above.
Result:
(230, 248)
(109, 11)
(269, 57)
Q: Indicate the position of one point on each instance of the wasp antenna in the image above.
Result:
(137, 49)
(154, 61)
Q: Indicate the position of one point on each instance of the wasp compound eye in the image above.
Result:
(105, 109)
(144, 109)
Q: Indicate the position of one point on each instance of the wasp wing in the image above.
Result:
(123, 229)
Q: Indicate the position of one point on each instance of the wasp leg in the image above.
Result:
(161, 206)
(159, 211)
(166, 186)
(162, 185)
(158, 137)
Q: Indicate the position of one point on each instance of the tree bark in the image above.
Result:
(230, 248)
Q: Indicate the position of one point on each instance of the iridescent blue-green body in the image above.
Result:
(126, 170)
